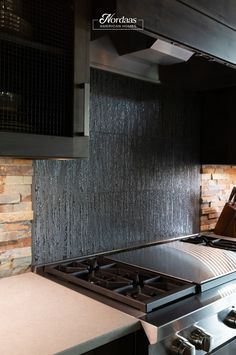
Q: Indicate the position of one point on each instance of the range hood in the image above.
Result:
(162, 52)
(170, 45)
(106, 53)
(162, 63)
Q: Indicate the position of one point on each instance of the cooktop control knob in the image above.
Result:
(230, 319)
(200, 339)
(181, 346)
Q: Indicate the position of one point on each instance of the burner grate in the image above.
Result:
(142, 289)
(211, 242)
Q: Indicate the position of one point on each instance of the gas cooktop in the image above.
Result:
(152, 276)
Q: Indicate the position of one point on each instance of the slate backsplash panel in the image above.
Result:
(141, 182)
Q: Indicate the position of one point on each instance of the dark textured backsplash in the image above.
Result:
(140, 184)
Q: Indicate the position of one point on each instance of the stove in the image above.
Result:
(184, 289)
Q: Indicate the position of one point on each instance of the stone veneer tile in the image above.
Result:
(17, 226)
(12, 161)
(15, 261)
(23, 206)
(14, 170)
(14, 235)
(217, 182)
(6, 208)
(20, 243)
(18, 180)
(7, 198)
(23, 190)
(15, 215)
(2, 180)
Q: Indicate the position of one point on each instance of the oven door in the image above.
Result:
(227, 349)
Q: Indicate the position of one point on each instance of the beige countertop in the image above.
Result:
(41, 317)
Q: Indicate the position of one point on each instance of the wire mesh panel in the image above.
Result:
(36, 66)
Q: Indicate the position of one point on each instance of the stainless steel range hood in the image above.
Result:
(103, 55)
(161, 63)
(165, 53)
(177, 45)
(142, 64)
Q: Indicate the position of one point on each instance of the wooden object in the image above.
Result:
(231, 229)
(226, 224)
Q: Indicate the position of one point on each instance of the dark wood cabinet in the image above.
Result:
(221, 11)
(124, 345)
(132, 344)
(218, 127)
(44, 78)
(183, 22)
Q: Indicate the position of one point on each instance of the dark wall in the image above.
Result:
(141, 182)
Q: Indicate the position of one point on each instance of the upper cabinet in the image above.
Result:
(44, 78)
(221, 11)
(218, 127)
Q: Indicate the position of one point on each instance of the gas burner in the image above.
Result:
(108, 280)
(142, 293)
(200, 239)
(73, 267)
(85, 266)
(211, 242)
(128, 274)
(162, 283)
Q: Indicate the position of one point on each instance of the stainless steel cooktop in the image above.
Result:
(197, 263)
(164, 282)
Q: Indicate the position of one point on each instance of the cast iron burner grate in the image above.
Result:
(211, 242)
(142, 289)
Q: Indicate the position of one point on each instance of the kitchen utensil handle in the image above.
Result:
(234, 200)
(233, 194)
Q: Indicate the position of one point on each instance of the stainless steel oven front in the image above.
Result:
(227, 349)
(201, 324)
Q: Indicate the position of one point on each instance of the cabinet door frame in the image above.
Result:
(77, 146)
